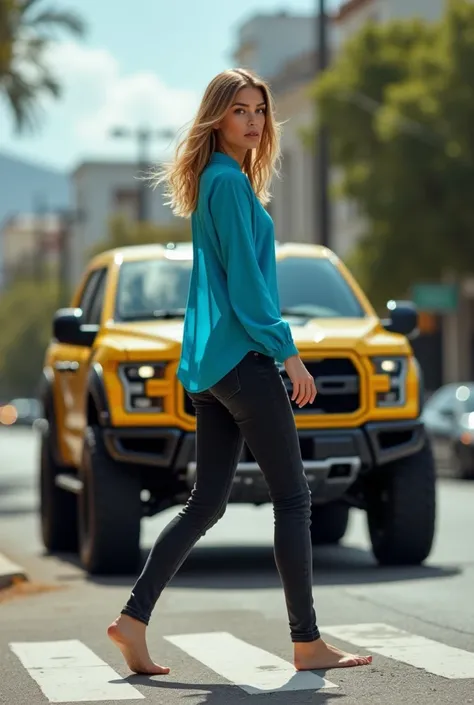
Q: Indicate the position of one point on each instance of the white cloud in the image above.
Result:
(98, 96)
(106, 98)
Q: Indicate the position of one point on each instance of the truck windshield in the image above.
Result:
(308, 287)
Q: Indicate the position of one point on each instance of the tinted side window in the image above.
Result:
(88, 292)
(97, 305)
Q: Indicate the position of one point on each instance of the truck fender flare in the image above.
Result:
(46, 390)
(96, 392)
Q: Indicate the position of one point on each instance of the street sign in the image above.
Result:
(437, 298)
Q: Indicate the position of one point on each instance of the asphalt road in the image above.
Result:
(225, 601)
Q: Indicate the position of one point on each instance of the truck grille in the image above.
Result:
(337, 382)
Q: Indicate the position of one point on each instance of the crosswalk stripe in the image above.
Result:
(432, 656)
(254, 670)
(68, 671)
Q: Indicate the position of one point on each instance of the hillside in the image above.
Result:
(23, 184)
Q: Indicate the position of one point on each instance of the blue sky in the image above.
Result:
(149, 64)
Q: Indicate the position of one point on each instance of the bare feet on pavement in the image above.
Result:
(317, 655)
(129, 635)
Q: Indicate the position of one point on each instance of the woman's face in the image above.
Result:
(242, 127)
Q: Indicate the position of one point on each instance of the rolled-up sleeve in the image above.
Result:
(231, 211)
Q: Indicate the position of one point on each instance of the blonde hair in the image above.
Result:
(181, 177)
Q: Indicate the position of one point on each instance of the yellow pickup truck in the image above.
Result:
(119, 442)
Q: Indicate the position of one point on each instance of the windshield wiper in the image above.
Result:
(169, 313)
(300, 312)
(160, 313)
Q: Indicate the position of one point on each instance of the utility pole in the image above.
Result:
(66, 220)
(143, 137)
(39, 226)
(143, 141)
(323, 214)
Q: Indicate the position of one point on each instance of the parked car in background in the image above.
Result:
(28, 411)
(448, 416)
(20, 412)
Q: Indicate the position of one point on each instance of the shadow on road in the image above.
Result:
(213, 694)
(251, 568)
(255, 567)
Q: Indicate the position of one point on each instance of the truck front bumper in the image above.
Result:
(333, 459)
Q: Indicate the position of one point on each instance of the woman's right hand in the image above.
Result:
(304, 388)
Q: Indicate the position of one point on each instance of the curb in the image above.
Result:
(10, 572)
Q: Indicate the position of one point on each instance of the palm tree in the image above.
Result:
(27, 30)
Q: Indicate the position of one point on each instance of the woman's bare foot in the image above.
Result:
(129, 635)
(317, 655)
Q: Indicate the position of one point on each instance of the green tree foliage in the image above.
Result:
(27, 31)
(26, 311)
(123, 232)
(399, 101)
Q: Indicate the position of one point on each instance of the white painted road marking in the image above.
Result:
(254, 670)
(432, 656)
(68, 671)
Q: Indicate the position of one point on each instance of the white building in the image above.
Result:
(293, 207)
(295, 204)
(101, 190)
(267, 42)
(281, 49)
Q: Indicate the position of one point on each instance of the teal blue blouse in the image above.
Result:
(233, 304)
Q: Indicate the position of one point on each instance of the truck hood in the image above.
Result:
(363, 335)
(140, 340)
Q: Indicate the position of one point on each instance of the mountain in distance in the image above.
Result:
(25, 187)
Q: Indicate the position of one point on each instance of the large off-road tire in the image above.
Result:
(110, 511)
(328, 523)
(401, 509)
(58, 508)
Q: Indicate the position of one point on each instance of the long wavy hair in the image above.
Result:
(181, 176)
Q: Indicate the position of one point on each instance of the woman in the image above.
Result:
(233, 334)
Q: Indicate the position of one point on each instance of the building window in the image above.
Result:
(126, 202)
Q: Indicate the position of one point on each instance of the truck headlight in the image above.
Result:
(154, 370)
(396, 369)
(134, 378)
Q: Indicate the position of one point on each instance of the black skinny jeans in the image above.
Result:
(249, 403)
